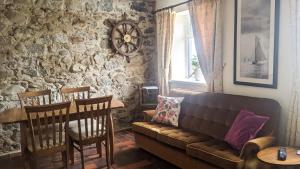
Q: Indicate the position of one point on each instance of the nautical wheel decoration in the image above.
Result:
(126, 37)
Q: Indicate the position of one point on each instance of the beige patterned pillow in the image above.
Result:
(167, 110)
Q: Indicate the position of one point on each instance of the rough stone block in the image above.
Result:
(13, 90)
(78, 68)
(106, 5)
(139, 6)
(16, 17)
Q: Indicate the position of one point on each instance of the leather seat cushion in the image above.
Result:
(180, 138)
(150, 129)
(216, 152)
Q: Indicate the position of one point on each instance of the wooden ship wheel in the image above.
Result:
(126, 37)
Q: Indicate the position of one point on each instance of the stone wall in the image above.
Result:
(47, 44)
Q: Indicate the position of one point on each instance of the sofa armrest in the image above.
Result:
(148, 114)
(252, 147)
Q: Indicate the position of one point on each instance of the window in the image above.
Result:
(184, 65)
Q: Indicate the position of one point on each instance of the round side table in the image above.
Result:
(269, 156)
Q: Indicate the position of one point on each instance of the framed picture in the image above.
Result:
(256, 43)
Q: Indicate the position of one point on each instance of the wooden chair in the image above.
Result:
(47, 125)
(35, 98)
(92, 127)
(70, 94)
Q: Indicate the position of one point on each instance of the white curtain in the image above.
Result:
(165, 21)
(293, 124)
(206, 17)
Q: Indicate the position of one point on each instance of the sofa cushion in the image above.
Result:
(149, 129)
(216, 152)
(180, 138)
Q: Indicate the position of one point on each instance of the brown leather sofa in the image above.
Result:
(203, 123)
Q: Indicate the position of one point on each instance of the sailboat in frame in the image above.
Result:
(259, 56)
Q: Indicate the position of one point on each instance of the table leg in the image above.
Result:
(111, 138)
(23, 140)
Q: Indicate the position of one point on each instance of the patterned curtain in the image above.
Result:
(165, 21)
(293, 128)
(206, 17)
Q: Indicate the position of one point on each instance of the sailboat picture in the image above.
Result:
(259, 57)
(255, 61)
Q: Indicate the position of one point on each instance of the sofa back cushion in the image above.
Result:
(213, 113)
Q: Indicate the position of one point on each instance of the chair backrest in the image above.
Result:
(70, 94)
(92, 117)
(47, 124)
(34, 98)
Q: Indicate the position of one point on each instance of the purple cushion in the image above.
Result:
(244, 128)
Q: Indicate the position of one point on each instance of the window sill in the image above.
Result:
(187, 81)
(188, 85)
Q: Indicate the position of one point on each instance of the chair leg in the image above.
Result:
(33, 162)
(23, 140)
(107, 154)
(29, 162)
(26, 160)
(99, 148)
(81, 156)
(68, 160)
(71, 151)
(65, 157)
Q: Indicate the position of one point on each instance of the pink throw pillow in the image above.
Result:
(244, 128)
(167, 110)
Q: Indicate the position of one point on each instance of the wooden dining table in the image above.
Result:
(18, 115)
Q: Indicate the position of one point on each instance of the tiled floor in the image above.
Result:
(127, 156)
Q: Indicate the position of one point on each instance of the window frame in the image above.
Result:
(186, 84)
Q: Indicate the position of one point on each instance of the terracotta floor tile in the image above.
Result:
(127, 156)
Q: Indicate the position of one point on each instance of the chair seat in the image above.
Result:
(74, 131)
(216, 152)
(45, 146)
(180, 138)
